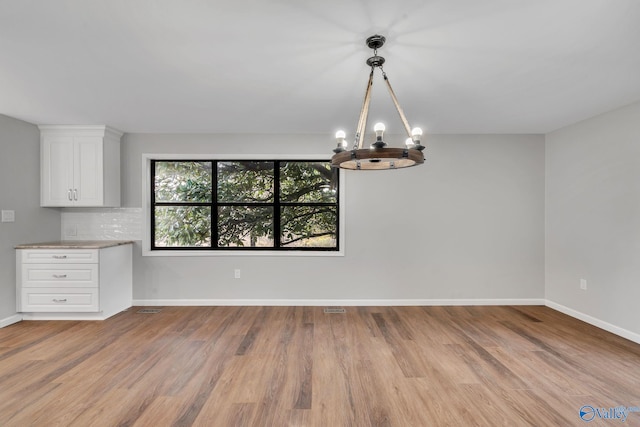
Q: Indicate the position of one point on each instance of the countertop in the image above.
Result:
(75, 244)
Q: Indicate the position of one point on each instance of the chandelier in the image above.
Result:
(378, 155)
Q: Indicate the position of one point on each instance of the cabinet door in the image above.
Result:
(88, 176)
(80, 166)
(57, 171)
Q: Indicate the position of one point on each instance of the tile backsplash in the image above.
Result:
(102, 224)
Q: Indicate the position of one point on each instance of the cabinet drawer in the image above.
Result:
(59, 275)
(60, 256)
(60, 300)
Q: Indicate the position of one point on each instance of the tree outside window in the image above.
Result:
(244, 204)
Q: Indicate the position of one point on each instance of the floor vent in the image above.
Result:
(149, 310)
(333, 310)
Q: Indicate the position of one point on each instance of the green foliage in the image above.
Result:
(251, 182)
(245, 226)
(183, 181)
(308, 226)
(306, 182)
(183, 225)
(245, 193)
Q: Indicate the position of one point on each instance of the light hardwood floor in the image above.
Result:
(297, 366)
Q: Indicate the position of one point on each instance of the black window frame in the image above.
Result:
(277, 204)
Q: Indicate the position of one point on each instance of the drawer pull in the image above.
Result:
(60, 256)
(59, 300)
(59, 276)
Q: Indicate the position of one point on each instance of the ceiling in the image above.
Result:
(298, 66)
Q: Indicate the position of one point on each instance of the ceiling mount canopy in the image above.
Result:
(378, 156)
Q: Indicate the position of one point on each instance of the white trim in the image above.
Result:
(66, 316)
(624, 333)
(335, 302)
(80, 130)
(238, 253)
(10, 320)
(146, 206)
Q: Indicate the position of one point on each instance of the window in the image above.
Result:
(251, 205)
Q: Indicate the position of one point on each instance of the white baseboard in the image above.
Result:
(335, 302)
(10, 320)
(624, 333)
(64, 316)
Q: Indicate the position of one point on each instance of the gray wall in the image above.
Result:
(20, 191)
(593, 217)
(467, 225)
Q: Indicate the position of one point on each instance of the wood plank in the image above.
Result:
(298, 366)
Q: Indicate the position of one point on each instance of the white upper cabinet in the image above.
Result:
(80, 166)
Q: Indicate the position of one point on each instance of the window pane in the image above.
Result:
(245, 182)
(183, 182)
(308, 226)
(247, 226)
(306, 182)
(182, 226)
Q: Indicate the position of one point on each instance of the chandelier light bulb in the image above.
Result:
(342, 142)
(409, 143)
(416, 135)
(379, 129)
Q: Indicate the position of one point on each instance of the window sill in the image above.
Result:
(239, 253)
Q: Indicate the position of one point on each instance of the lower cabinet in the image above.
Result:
(73, 284)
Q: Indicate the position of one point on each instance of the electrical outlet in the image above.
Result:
(8, 216)
(583, 284)
(236, 273)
